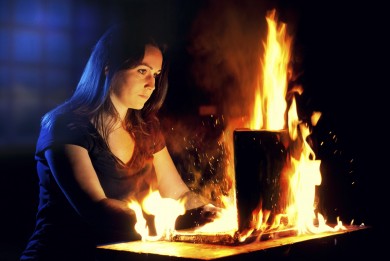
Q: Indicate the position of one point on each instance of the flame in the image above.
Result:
(165, 212)
(226, 222)
(271, 94)
(302, 169)
(269, 113)
(141, 226)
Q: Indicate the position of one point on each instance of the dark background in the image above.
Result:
(339, 48)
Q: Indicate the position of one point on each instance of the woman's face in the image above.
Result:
(131, 88)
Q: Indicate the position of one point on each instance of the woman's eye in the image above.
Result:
(142, 71)
(156, 75)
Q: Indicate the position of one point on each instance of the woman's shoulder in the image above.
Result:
(69, 124)
(69, 120)
(65, 128)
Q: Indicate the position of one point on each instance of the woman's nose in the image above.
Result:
(150, 82)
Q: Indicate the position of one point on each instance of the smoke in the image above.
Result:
(225, 43)
(225, 50)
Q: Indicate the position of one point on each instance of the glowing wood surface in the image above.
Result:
(186, 250)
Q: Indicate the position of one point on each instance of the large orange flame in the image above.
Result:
(270, 97)
(269, 113)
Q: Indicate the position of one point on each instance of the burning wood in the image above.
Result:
(229, 240)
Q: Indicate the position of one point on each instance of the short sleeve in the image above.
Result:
(64, 130)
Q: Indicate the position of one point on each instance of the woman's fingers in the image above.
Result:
(211, 212)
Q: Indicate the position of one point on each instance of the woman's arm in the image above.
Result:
(170, 183)
(199, 211)
(73, 170)
(74, 173)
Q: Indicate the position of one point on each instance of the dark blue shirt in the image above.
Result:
(60, 231)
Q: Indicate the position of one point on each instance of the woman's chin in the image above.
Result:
(137, 107)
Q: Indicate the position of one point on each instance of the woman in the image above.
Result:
(102, 148)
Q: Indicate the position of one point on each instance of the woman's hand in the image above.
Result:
(197, 217)
(210, 212)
